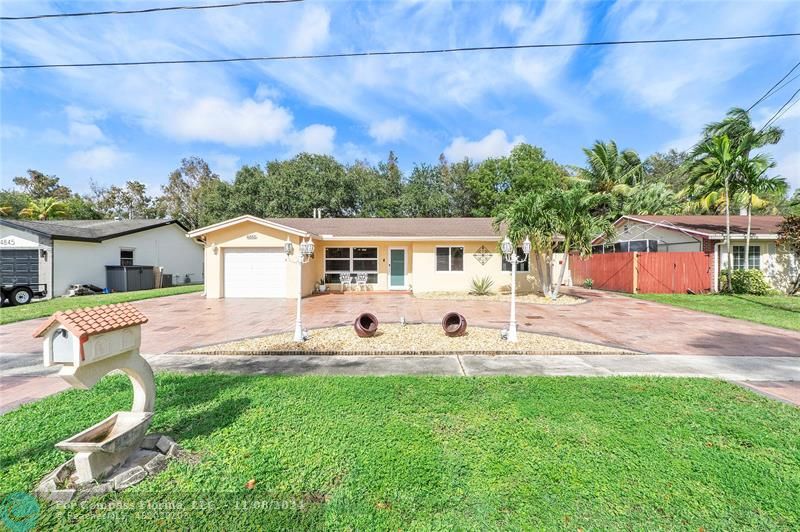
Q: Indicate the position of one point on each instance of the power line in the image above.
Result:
(776, 116)
(772, 89)
(400, 52)
(150, 10)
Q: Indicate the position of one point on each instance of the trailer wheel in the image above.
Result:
(21, 296)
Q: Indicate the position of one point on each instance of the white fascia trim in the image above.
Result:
(330, 238)
(666, 225)
(247, 218)
(739, 236)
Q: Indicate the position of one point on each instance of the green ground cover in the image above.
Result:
(433, 453)
(39, 309)
(778, 311)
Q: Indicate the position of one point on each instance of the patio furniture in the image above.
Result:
(366, 325)
(361, 281)
(346, 280)
(454, 324)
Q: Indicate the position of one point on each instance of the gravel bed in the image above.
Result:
(537, 299)
(394, 338)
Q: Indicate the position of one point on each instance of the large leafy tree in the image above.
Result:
(182, 196)
(129, 201)
(39, 185)
(667, 168)
(497, 182)
(789, 237)
(308, 181)
(424, 193)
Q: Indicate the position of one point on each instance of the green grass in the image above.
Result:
(778, 311)
(434, 453)
(39, 309)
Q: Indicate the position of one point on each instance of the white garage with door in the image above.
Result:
(254, 272)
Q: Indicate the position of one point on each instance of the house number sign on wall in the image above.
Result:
(252, 236)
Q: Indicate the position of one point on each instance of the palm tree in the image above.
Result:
(713, 166)
(574, 220)
(530, 216)
(752, 181)
(44, 209)
(650, 198)
(738, 126)
(608, 167)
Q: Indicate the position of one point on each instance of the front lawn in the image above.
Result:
(368, 453)
(39, 309)
(778, 311)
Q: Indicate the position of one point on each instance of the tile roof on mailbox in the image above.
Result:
(87, 322)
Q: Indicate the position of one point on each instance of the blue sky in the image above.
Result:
(114, 124)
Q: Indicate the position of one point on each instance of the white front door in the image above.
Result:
(254, 272)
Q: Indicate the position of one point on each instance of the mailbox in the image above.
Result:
(88, 344)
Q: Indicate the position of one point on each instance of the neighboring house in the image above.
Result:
(707, 234)
(245, 256)
(61, 253)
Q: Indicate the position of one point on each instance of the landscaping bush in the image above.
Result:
(482, 286)
(746, 282)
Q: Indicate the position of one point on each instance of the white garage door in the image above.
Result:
(255, 272)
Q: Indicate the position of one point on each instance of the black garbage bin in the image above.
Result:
(130, 278)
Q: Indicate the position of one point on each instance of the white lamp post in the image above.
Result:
(306, 250)
(510, 254)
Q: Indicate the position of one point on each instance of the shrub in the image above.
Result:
(746, 282)
(588, 282)
(482, 286)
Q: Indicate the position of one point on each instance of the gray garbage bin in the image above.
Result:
(129, 278)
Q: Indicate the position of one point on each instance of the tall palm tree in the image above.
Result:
(753, 182)
(738, 126)
(530, 216)
(44, 209)
(712, 169)
(574, 220)
(608, 167)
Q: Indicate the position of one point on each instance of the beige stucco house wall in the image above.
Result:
(420, 268)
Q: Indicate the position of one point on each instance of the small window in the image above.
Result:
(521, 266)
(754, 259)
(126, 257)
(450, 259)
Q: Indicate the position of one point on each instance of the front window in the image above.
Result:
(340, 261)
(521, 266)
(126, 257)
(754, 259)
(450, 259)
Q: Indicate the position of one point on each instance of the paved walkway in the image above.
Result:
(181, 322)
(25, 379)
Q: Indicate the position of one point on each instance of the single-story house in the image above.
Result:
(60, 253)
(244, 257)
(707, 234)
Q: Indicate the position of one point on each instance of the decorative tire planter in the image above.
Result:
(454, 324)
(366, 325)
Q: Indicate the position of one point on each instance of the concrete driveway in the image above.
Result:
(181, 322)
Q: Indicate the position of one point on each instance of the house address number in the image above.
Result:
(252, 236)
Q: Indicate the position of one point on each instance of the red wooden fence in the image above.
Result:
(647, 273)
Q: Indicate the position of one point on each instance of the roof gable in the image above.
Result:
(89, 230)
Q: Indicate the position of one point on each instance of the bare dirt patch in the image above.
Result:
(406, 339)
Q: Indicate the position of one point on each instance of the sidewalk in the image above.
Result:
(22, 378)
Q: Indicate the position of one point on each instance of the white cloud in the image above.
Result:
(245, 123)
(512, 16)
(495, 144)
(10, 131)
(389, 130)
(316, 138)
(311, 30)
(97, 158)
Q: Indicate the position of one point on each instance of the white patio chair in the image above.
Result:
(346, 280)
(361, 281)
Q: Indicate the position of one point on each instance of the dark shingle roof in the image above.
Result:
(392, 227)
(715, 225)
(88, 230)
